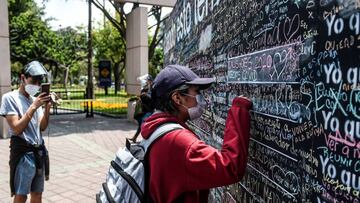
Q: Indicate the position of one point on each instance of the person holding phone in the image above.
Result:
(28, 155)
(45, 88)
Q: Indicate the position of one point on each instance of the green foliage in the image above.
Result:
(108, 44)
(156, 62)
(71, 46)
(32, 39)
(118, 23)
(71, 50)
(66, 49)
(29, 35)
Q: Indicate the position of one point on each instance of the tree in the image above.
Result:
(32, 39)
(70, 51)
(158, 35)
(157, 62)
(118, 21)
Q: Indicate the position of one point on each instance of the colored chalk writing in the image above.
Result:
(298, 61)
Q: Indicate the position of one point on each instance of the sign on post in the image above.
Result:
(105, 73)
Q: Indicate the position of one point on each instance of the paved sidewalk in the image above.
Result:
(80, 152)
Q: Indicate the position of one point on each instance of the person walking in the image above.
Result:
(26, 119)
(182, 168)
(144, 105)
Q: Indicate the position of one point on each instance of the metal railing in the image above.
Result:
(74, 101)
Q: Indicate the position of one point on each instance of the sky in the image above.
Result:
(75, 13)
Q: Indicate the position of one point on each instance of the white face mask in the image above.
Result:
(196, 111)
(32, 90)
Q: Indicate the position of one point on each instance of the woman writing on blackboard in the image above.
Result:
(182, 168)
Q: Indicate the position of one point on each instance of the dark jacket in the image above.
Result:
(182, 168)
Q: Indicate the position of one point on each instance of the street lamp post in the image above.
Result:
(90, 85)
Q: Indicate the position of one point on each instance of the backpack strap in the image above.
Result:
(160, 131)
(146, 144)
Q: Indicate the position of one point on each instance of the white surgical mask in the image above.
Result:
(196, 111)
(32, 90)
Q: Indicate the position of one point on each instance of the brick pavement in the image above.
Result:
(80, 151)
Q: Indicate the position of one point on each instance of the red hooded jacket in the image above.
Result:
(183, 168)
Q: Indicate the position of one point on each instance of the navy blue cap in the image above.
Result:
(35, 68)
(173, 76)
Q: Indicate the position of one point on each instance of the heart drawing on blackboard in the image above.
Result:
(291, 27)
(289, 180)
(279, 63)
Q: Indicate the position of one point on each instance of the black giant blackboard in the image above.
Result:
(299, 62)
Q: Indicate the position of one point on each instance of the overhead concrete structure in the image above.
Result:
(137, 42)
(136, 48)
(5, 82)
(164, 3)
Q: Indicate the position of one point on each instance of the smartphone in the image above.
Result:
(45, 87)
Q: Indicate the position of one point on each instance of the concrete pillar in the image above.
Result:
(136, 48)
(5, 82)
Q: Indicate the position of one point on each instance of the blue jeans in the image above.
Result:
(25, 180)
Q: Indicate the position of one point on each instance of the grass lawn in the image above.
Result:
(111, 104)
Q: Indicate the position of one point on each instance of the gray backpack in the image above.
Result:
(125, 181)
